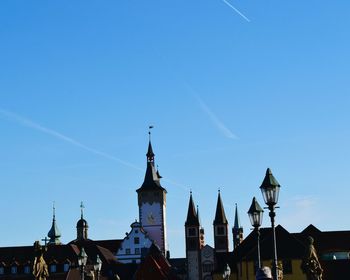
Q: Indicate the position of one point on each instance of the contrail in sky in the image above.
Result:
(215, 120)
(236, 10)
(31, 124)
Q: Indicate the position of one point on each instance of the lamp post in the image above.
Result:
(255, 214)
(82, 259)
(98, 266)
(270, 190)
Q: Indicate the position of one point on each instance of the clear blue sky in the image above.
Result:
(229, 95)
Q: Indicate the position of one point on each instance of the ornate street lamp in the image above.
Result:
(270, 190)
(255, 214)
(98, 266)
(82, 259)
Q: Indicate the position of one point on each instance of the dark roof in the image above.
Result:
(325, 241)
(220, 217)
(151, 181)
(192, 217)
(288, 246)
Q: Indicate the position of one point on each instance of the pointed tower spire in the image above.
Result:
(237, 230)
(220, 228)
(194, 240)
(192, 217)
(152, 176)
(220, 217)
(54, 233)
(237, 223)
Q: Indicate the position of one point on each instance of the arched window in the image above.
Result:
(66, 267)
(26, 269)
(53, 268)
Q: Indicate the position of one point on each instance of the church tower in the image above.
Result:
(237, 231)
(82, 225)
(220, 228)
(152, 203)
(193, 242)
(54, 233)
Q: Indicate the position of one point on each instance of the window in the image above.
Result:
(136, 231)
(127, 251)
(137, 251)
(26, 269)
(136, 240)
(220, 230)
(2, 270)
(66, 267)
(13, 269)
(192, 232)
(52, 268)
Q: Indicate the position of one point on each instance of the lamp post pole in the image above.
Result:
(255, 214)
(272, 215)
(270, 191)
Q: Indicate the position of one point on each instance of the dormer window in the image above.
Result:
(26, 269)
(66, 267)
(14, 269)
(53, 268)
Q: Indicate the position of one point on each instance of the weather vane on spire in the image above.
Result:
(149, 131)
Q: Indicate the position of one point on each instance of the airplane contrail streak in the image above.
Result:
(236, 10)
(31, 124)
(215, 120)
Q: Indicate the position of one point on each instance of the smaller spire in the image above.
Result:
(158, 174)
(54, 233)
(237, 223)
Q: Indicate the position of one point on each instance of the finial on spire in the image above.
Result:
(190, 191)
(149, 132)
(219, 190)
(53, 210)
(82, 209)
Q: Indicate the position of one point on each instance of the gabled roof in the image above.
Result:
(325, 241)
(192, 217)
(220, 217)
(288, 247)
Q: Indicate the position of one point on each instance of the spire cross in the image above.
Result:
(45, 240)
(82, 209)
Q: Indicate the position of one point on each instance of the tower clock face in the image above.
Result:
(151, 214)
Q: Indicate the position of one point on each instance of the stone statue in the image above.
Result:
(40, 270)
(310, 264)
(280, 270)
